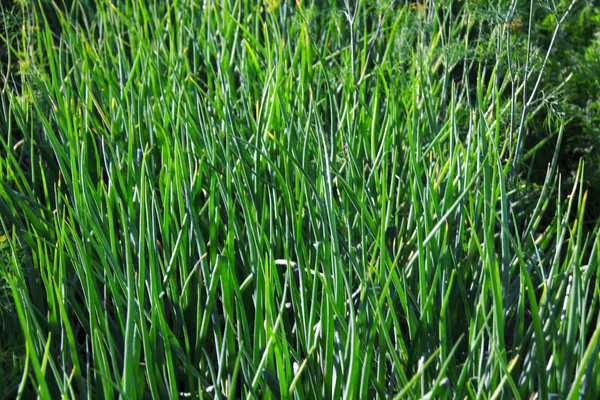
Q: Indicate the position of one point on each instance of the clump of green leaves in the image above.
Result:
(12, 351)
(309, 200)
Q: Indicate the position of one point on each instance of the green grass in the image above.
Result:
(225, 199)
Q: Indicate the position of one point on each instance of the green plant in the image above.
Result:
(311, 200)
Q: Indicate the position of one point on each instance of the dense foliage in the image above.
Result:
(310, 199)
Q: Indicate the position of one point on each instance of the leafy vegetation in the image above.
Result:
(243, 199)
(574, 68)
